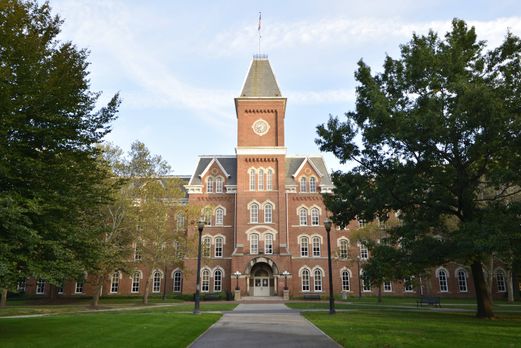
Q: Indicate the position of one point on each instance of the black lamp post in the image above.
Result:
(285, 274)
(200, 227)
(237, 274)
(327, 225)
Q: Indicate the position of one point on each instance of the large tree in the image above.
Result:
(437, 136)
(51, 184)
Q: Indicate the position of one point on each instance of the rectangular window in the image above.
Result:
(40, 287)
(218, 185)
(136, 280)
(261, 180)
(114, 283)
(388, 287)
(269, 180)
(268, 244)
(206, 246)
(268, 214)
(254, 243)
(500, 280)
(59, 287)
(364, 253)
(345, 281)
(303, 217)
(408, 285)
(318, 281)
(312, 184)
(217, 281)
(252, 180)
(79, 287)
(205, 281)
(343, 249)
(305, 280)
(156, 282)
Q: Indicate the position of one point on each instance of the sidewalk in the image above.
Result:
(263, 325)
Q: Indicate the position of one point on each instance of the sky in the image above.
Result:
(178, 65)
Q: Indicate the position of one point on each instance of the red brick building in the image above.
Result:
(265, 216)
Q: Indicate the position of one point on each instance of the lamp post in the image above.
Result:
(237, 274)
(285, 274)
(200, 227)
(359, 278)
(327, 225)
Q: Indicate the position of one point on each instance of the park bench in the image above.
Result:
(315, 297)
(430, 300)
(212, 297)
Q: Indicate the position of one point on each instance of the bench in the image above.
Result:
(212, 297)
(314, 297)
(433, 301)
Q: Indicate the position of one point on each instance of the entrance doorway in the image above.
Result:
(262, 281)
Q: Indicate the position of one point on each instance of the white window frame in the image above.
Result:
(40, 286)
(388, 286)
(316, 246)
(254, 213)
(408, 286)
(268, 213)
(205, 280)
(364, 252)
(219, 216)
(366, 286)
(180, 221)
(345, 280)
(312, 184)
(219, 246)
(114, 282)
(217, 280)
(462, 280)
(207, 246)
(315, 217)
(136, 283)
(317, 280)
(303, 184)
(443, 280)
(260, 180)
(305, 280)
(268, 243)
(304, 246)
(209, 184)
(219, 185)
(254, 243)
(269, 180)
(177, 281)
(303, 216)
(252, 179)
(156, 282)
(343, 249)
(501, 281)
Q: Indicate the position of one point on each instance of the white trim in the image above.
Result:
(214, 160)
(260, 150)
(307, 160)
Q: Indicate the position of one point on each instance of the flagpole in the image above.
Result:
(259, 30)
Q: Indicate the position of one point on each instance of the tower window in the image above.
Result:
(254, 213)
(252, 179)
(261, 180)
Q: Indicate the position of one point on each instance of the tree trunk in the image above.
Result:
(490, 278)
(3, 301)
(52, 292)
(97, 293)
(145, 295)
(482, 297)
(380, 293)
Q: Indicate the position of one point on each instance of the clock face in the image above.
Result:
(260, 127)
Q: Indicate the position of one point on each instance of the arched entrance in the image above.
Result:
(262, 274)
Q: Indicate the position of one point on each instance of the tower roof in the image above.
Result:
(260, 81)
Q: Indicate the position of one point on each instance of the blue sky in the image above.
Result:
(179, 64)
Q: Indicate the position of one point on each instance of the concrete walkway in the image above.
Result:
(263, 325)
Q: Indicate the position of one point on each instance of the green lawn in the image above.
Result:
(398, 323)
(153, 327)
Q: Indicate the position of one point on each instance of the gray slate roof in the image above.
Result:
(229, 164)
(260, 81)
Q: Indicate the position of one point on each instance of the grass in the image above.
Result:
(157, 327)
(397, 322)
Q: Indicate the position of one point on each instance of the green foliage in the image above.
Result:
(51, 184)
(440, 130)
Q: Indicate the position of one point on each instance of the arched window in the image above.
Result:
(312, 184)
(345, 281)
(268, 213)
(269, 180)
(209, 185)
(136, 281)
(304, 246)
(252, 179)
(180, 221)
(303, 216)
(442, 279)
(462, 280)
(178, 277)
(366, 284)
(114, 283)
(316, 246)
(218, 281)
(254, 213)
(305, 280)
(261, 180)
(218, 184)
(364, 252)
(500, 281)
(254, 243)
(207, 213)
(219, 216)
(268, 243)
(207, 241)
(303, 184)
(205, 280)
(156, 282)
(344, 246)
(318, 280)
(219, 241)
(315, 217)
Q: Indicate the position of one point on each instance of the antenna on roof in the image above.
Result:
(259, 30)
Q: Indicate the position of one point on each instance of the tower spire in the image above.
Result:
(259, 30)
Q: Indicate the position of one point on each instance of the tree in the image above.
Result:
(50, 182)
(440, 128)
